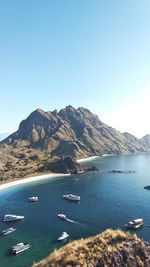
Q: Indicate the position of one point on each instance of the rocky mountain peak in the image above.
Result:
(73, 132)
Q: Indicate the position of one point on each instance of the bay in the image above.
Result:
(108, 200)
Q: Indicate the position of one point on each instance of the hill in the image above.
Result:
(45, 137)
(108, 249)
(73, 132)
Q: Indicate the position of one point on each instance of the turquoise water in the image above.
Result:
(107, 201)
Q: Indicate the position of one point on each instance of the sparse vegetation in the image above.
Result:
(44, 137)
(109, 249)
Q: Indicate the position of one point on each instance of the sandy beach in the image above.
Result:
(31, 179)
(40, 177)
(86, 159)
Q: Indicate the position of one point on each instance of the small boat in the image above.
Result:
(62, 216)
(135, 224)
(8, 231)
(20, 247)
(72, 197)
(33, 199)
(63, 236)
(12, 217)
(147, 187)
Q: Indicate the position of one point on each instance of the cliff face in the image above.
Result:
(65, 165)
(109, 249)
(72, 132)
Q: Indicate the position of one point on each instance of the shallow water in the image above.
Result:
(107, 201)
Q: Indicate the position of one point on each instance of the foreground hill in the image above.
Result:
(45, 137)
(109, 249)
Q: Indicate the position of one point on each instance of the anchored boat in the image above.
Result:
(72, 197)
(20, 247)
(8, 231)
(135, 224)
(33, 199)
(63, 236)
(12, 217)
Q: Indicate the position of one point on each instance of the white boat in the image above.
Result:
(8, 231)
(33, 199)
(63, 236)
(72, 197)
(135, 224)
(20, 247)
(12, 217)
(62, 216)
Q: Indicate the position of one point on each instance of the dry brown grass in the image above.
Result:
(101, 250)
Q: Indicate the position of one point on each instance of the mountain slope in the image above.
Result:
(45, 138)
(72, 132)
(108, 249)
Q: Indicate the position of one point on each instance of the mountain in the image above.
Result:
(45, 138)
(108, 249)
(73, 132)
(3, 136)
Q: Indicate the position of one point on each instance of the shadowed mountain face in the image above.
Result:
(72, 132)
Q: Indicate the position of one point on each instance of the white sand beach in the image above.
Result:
(40, 177)
(86, 159)
(31, 179)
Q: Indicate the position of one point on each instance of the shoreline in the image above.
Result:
(88, 159)
(31, 179)
(39, 177)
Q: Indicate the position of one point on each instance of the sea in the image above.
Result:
(108, 200)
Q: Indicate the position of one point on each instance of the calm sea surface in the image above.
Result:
(107, 201)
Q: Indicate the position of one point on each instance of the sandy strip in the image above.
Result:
(31, 179)
(86, 159)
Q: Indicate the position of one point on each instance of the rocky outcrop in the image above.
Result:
(109, 249)
(65, 165)
(72, 132)
(146, 141)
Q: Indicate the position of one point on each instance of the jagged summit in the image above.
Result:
(73, 132)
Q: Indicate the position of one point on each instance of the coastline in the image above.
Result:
(40, 177)
(31, 179)
(88, 159)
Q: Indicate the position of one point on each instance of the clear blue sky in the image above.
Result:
(90, 53)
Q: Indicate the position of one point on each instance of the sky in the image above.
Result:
(89, 53)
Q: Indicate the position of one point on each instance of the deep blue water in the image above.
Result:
(107, 201)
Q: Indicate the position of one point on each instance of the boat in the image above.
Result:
(135, 224)
(8, 231)
(33, 199)
(20, 247)
(62, 216)
(12, 217)
(72, 197)
(63, 236)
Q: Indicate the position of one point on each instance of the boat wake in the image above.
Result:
(72, 221)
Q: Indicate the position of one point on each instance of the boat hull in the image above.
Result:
(13, 219)
(135, 226)
(20, 250)
(68, 197)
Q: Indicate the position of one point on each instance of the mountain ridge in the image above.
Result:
(78, 129)
(46, 137)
